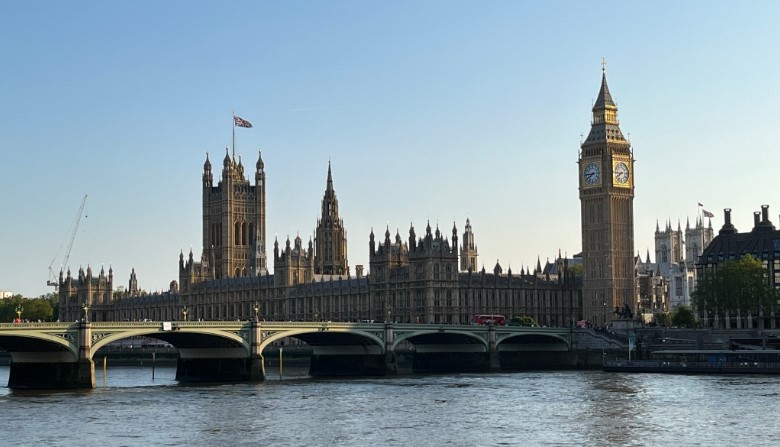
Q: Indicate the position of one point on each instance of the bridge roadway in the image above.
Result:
(60, 355)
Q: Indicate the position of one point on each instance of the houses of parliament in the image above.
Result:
(428, 276)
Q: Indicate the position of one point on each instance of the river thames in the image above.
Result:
(582, 408)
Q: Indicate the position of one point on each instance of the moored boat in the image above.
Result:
(708, 361)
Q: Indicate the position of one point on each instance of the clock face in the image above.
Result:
(591, 174)
(621, 172)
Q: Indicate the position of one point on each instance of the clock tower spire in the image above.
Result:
(606, 172)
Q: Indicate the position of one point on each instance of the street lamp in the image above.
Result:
(389, 314)
(19, 310)
(257, 311)
(86, 311)
(185, 311)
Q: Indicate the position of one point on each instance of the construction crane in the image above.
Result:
(70, 238)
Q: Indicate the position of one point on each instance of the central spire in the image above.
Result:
(330, 204)
(604, 99)
(604, 125)
(329, 186)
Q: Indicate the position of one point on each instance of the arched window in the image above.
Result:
(236, 233)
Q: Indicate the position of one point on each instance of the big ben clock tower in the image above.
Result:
(606, 170)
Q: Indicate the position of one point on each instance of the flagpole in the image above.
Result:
(234, 135)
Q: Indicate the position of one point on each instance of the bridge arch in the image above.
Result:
(181, 338)
(439, 336)
(40, 342)
(323, 335)
(532, 341)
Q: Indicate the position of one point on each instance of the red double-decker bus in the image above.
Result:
(494, 319)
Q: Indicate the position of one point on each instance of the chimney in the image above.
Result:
(756, 219)
(727, 228)
(359, 271)
(765, 224)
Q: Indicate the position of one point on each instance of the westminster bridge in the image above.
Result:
(60, 355)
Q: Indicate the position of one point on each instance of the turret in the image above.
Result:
(454, 237)
(208, 179)
(260, 166)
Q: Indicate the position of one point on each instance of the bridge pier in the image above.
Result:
(56, 369)
(494, 360)
(218, 370)
(356, 360)
(391, 360)
(224, 364)
(52, 375)
(348, 365)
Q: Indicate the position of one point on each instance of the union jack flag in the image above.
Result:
(241, 122)
(707, 214)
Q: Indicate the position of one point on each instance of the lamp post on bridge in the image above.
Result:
(185, 311)
(257, 311)
(19, 310)
(86, 312)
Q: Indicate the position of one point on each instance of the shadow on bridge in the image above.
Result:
(60, 355)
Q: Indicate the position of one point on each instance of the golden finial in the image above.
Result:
(604, 65)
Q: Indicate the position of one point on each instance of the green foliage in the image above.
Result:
(735, 286)
(576, 270)
(664, 319)
(683, 316)
(523, 320)
(43, 308)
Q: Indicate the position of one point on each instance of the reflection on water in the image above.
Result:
(530, 408)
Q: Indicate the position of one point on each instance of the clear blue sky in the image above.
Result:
(437, 110)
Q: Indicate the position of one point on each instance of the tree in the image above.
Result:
(662, 319)
(576, 270)
(33, 309)
(524, 320)
(54, 301)
(683, 316)
(736, 287)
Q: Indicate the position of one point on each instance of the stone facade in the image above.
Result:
(606, 165)
(234, 220)
(413, 281)
(652, 289)
(676, 256)
(331, 237)
(468, 252)
(96, 291)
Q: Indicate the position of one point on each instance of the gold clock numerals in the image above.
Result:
(621, 173)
